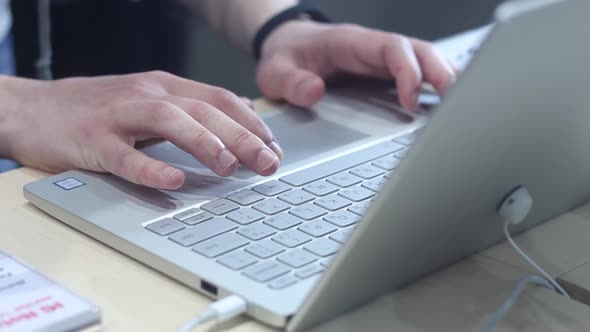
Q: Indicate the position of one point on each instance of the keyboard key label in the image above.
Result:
(69, 183)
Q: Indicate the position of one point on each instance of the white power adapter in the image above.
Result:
(516, 206)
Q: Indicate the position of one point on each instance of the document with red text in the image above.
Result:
(30, 302)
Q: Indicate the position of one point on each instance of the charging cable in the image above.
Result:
(549, 279)
(221, 310)
(514, 209)
(503, 310)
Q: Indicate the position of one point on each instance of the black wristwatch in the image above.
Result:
(298, 11)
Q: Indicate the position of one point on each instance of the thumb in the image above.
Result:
(283, 79)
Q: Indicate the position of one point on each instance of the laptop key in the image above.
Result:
(271, 206)
(282, 282)
(266, 271)
(323, 247)
(297, 258)
(375, 184)
(237, 260)
(361, 208)
(308, 211)
(356, 194)
(203, 231)
(342, 218)
(388, 163)
(338, 164)
(291, 238)
(220, 206)
(296, 197)
(309, 271)
(271, 188)
(199, 218)
(245, 216)
(245, 197)
(317, 228)
(265, 249)
(256, 231)
(165, 226)
(321, 188)
(220, 245)
(332, 202)
(282, 221)
(341, 236)
(344, 179)
(367, 171)
(187, 214)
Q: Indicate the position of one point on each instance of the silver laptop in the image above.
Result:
(346, 220)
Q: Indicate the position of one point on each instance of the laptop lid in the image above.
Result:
(519, 115)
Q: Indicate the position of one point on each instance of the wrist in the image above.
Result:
(287, 31)
(300, 12)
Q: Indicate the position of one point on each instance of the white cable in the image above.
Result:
(221, 310)
(497, 316)
(528, 259)
(545, 281)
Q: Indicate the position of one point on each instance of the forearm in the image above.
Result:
(13, 94)
(238, 20)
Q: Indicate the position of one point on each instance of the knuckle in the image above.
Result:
(224, 99)
(428, 48)
(197, 108)
(135, 88)
(161, 111)
(350, 27)
(160, 74)
(242, 138)
(398, 40)
(200, 138)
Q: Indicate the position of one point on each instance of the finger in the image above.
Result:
(281, 78)
(123, 160)
(369, 52)
(251, 151)
(399, 56)
(248, 102)
(166, 120)
(225, 101)
(455, 67)
(435, 67)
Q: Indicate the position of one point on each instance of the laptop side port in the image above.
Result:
(209, 288)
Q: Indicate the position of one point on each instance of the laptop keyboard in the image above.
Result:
(283, 231)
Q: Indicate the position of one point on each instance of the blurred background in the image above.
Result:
(96, 37)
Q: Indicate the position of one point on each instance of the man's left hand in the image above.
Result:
(298, 56)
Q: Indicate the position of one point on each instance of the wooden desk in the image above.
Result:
(136, 298)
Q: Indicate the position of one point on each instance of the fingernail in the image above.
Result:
(266, 159)
(172, 176)
(226, 159)
(276, 148)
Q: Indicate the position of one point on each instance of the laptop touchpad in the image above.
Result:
(303, 134)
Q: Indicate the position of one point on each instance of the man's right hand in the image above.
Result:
(94, 123)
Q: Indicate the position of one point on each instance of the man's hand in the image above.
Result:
(299, 55)
(94, 123)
